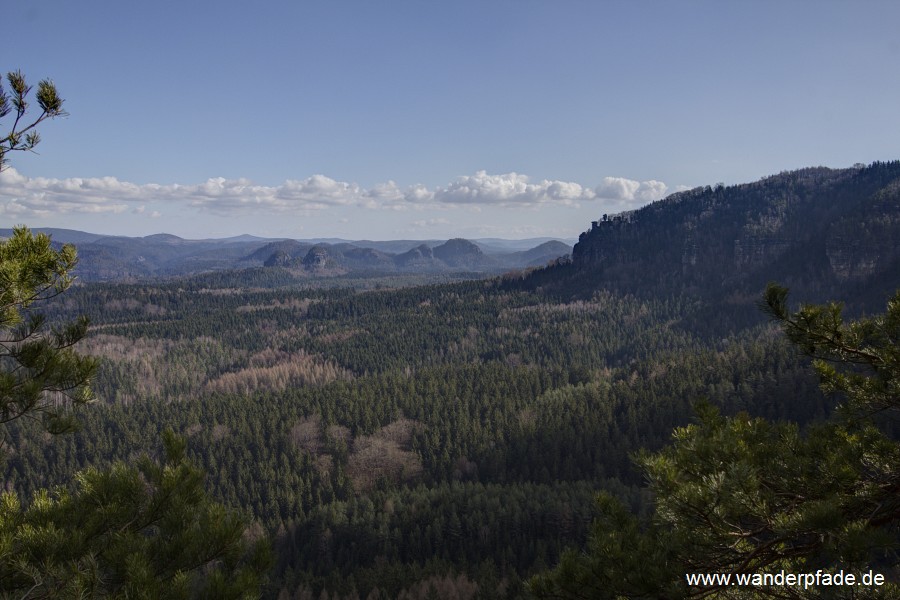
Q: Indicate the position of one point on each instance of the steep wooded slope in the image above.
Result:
(820, 231)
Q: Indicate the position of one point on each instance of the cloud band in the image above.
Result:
(24, 197)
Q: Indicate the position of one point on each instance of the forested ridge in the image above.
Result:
(815, 230)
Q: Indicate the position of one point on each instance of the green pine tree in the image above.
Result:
(23, 136)
(41, 376)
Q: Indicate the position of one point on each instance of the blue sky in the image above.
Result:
(433, 119)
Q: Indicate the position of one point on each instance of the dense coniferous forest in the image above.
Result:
(448, 440)
(384, 438)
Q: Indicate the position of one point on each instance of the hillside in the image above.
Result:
(819, 231)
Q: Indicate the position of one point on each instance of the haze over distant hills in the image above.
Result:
(114, 258)
(818, 230)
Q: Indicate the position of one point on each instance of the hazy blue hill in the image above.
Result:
(369, 258)
(421, 257)
(161, 255)
(324, 259)
(460, 253)
(165, 238)
(395, 246)
(240, 238)
(503, 246)
(540, 255)
(62, 236)
(290, 248)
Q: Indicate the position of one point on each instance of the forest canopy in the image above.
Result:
(741, 495)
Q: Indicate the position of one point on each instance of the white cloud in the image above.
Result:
(142, 210)
(418, 194)
(630, 191)
(41, 196)
(651, 191)
(230, 196)
(385, 191)
(318, 189)
(617, 188)
(510, 189)
(24, 197)
(11, 177)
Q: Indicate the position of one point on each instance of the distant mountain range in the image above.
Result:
(826, 233)
(120, 258)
